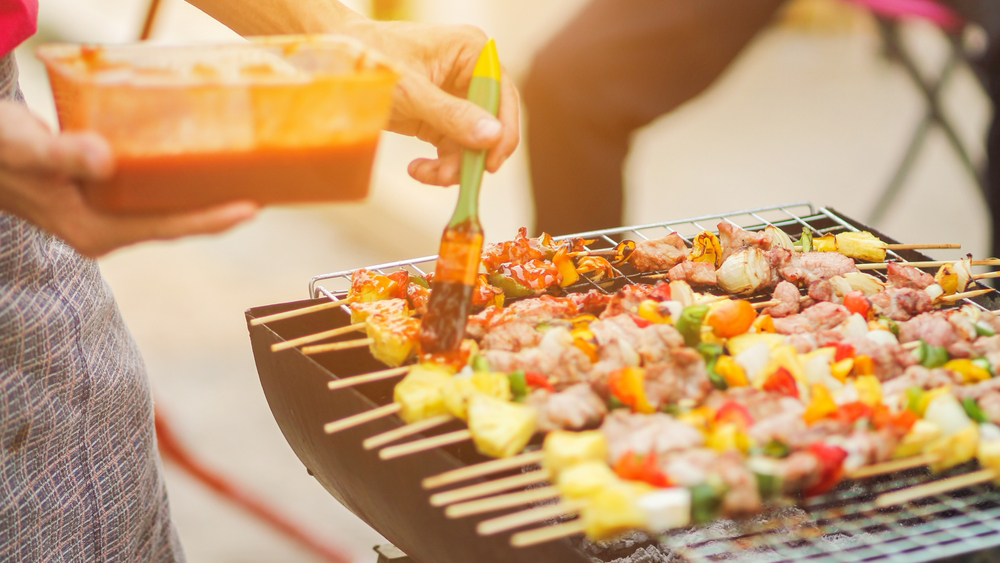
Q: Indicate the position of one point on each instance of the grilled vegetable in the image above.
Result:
(745, 272)
(959, 434)
(861, 246)
(954, 277)
(731, 318)
(387, 307)
(585, 479)
(968, 370)
(627, 385)
(865, 283)
(459, 390)
(689, 323)
(806, 240)
(922, 433)
(563, 449)
(499, 428)
(419, 393)
(706, 248)
(394, 337)
(931, 356)
(614, 509)
(643, 468)
(779, 238)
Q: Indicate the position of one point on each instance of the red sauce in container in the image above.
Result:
(269, 175)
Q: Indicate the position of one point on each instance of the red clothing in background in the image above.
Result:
(18, 21)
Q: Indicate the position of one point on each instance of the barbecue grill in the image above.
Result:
(841, 526)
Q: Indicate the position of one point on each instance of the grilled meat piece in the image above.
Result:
(555, 356)
(935, 329)
(902, 275)
(888, 361)
(695, 273)
(512, 336)
(900, 304)
(592, 302)
(788, 295)
(681, 375)
(919, 376)
(575, 408)
(627, 299)
(819, 317)
(742, 496)
(640, 434)
(659, 254)
(803, 268)
(732, 239)
(519, 250)
(536, 310)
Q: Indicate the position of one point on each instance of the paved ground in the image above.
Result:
(801, 117)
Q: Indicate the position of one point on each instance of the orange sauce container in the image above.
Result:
(288, 119)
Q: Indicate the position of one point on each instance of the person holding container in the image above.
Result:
(80, 479)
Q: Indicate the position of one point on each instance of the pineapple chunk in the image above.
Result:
(613, 510)
(389, 307)
(666, 509)
(920, 435)
(563, 449)
(419, 393)
(394, 338)
(585, 479)
(861, 246)
(500, 428)
(953, 450)
(459, 389)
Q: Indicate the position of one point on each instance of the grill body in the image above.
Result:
(841, 526)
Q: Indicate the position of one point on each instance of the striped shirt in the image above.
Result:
(80, 479)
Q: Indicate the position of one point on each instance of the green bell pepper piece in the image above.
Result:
(511, 287)
(518, 386)
(689, 323)
(806, 239)
(973, 410)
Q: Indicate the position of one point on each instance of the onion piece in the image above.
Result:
(745, 272)
(779, 238)
(865, 283)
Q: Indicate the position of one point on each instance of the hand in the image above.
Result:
(40, 175)
(435, 64)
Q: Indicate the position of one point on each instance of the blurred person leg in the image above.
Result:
(617, 66)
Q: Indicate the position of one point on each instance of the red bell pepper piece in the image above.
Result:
(856, 302)
(733, 412)
(639, 321)
(831, 463)
(900, 422)
(537, 381)
(641, 468)
(781, 382)
(398, 282)
(661, 292)
(844, 351)
(852, 412)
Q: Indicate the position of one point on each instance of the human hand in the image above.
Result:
(40, 176)
(435, 64)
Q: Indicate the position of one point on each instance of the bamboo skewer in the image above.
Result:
(500, 502)
(928, 264)
(917, 246)
(361, 418)
(548, 533)
(986, 276)
(425, 444)
(965, 295)
(490, 487)
(295, 342)
(296, 312)
(335, 346)
(384, 438)
(368, 377)
(911, 345)
(482, 469)
(523, 518)
(891, 466)
(935, 487)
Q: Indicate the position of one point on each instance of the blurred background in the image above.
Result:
(811, 111)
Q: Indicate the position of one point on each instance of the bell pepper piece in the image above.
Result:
(890, 324)
(649, 310)
(641, 468)
(764, 323)
(689, 323)
(512, 289)
(518, 386)
(731, 372)
(727, 437)
(931, 356)
(985, 364)
(900, 422)
(856, 302)
(705, 503)
(626, 385)
(781, 381)
(564, 264)
(869, 389)
(973, 410)
(983, 329)
(820, 405)
(840, 369)
(831, 460)
(731, 318)
(700, 418)
(967, 370)
(806, 240)
(843, 351)
(732, 412)
(863, 365)
(538, 381)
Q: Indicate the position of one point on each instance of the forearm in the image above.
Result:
(275, 17)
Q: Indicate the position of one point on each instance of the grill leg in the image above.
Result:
(388, 553)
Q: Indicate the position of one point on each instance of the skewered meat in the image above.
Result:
(535, 311)
(733, 239)
(935, 329)
(512, 336)
(803, 268)
(788, 295)
(695, 273)
(681, 375)
(641, 434)
(627, 299)
(900, 304)
(918, 376)
(555, 356)
(819, 317)
(902, 275)
(592, 302)
(575, 408)
(742, 496)
(659, 254)
(888, 360)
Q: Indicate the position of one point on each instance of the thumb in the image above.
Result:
(460, 120)
(84, 156)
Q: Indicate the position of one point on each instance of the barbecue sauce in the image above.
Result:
(443, 325)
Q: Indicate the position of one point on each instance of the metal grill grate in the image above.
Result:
(840, 527)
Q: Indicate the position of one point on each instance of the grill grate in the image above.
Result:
(839, 527)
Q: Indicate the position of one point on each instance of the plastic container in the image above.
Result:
(276, 120)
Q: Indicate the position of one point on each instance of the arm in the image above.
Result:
(435, 65)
